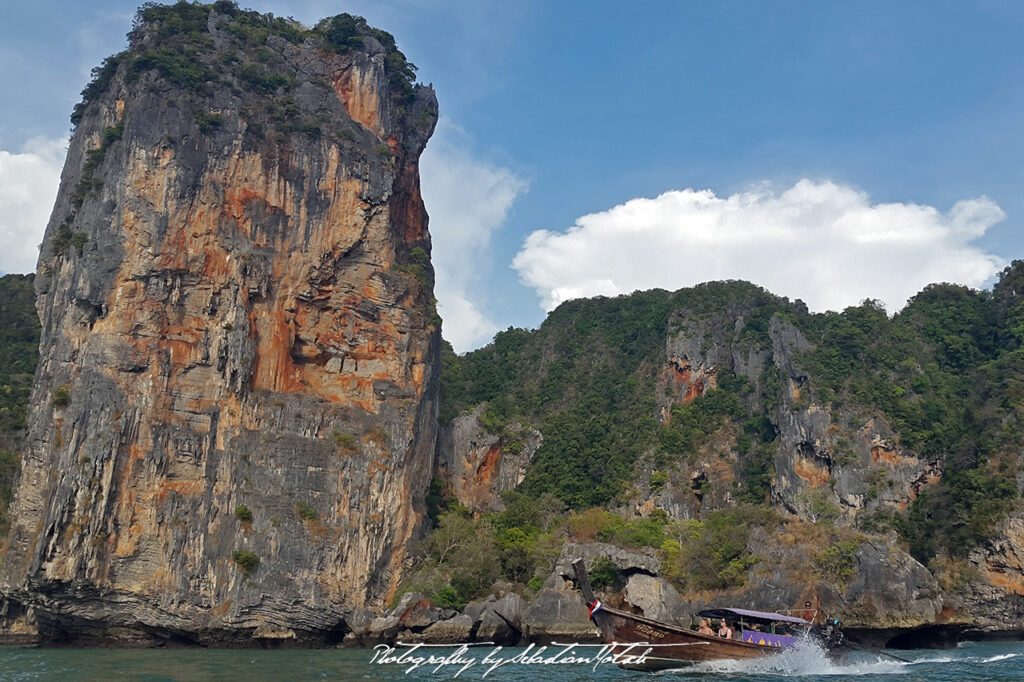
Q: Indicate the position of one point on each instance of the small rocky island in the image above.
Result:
(244, 428)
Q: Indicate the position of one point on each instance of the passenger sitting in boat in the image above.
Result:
(725, 631)
(705, 627)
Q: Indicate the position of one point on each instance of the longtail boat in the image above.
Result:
(756, 634)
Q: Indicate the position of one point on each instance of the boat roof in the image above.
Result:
(746, 613)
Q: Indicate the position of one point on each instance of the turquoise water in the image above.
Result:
(991, 661)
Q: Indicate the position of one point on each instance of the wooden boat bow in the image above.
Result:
(676, 645)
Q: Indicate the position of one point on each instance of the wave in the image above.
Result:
(805, 659)
(964, 659)
(809, 660)
(937, 659)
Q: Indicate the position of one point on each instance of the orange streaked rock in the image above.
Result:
(810, 471)
(358, 90)
(237, 308)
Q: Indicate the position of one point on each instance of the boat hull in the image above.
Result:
(670, 647)
(644, 644)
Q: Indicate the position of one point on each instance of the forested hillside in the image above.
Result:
(689, 404)
(19, 352)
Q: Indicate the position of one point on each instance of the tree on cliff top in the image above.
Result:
(174, 41)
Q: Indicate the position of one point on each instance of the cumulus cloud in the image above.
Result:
(468, 200)
(28, 187)
(821, 242)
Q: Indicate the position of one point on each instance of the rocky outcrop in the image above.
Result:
(479, 465)
(415, 619)
(992, 583)
(558, 615)
(498, 620)
(233, 420)
(891, 589)
(656, 598)
(835, 463)
(626, 561)
(455, 630)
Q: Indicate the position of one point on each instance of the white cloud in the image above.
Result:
(468, 200)
(28, 188)
(818, 241)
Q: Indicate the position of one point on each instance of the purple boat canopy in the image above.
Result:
(745, 613)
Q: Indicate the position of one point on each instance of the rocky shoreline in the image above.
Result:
(511, 616)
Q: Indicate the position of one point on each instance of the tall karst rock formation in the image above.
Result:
(233, 421)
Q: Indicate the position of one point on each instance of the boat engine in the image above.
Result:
(830, 633)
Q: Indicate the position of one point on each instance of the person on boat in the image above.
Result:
(725, 631)
(705, 627)
(809, 612)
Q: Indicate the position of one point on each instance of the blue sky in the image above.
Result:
(829, 151)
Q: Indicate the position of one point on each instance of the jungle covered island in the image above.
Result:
(753, 448)
(228, 417)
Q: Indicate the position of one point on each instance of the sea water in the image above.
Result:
(968, 662)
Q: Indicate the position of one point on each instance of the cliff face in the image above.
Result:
(233, 421)
(478, 466)
(828, 464)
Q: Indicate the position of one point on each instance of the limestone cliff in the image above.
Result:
(478, 466)
(233, 420)
(827, 463)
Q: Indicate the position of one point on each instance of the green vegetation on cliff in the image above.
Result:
(940, 372)
(19, 353)
(202, 48)
(464, 556)
(944, 374)
(584, 378)
(587, 380)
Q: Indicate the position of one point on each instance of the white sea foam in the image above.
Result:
(965, 659)
(804, 660)
(809, 660)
